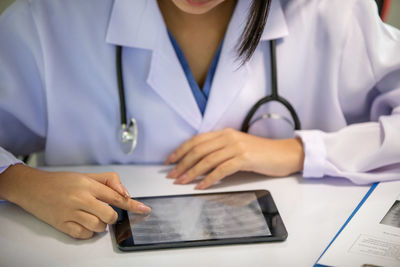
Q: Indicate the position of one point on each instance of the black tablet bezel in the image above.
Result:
(124, 238)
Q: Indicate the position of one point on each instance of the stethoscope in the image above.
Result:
(129, 130)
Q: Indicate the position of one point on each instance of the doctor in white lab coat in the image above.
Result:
(338, 65)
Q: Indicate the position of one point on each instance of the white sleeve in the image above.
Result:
(363, 152)
(22, 102)
(7, 159)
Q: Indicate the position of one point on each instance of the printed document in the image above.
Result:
(372, 236)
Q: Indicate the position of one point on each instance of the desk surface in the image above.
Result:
(312, 210)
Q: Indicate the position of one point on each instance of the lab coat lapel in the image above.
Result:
(139, 24)
(134, 24)
(169, 81)
(230, 76)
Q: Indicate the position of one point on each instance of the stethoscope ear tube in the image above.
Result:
(274, 96)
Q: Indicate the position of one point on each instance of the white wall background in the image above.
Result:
(394, 15)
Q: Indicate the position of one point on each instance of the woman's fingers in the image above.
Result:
(112, 180)
(101, 210)
(227, 168)
(209, 154)
(74, 203)
(228, 151)
(76, 230)
(206, 164)
(196, 154)
(108, 195)
(89, 221)
(188, 145)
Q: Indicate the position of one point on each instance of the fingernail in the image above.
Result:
(143, 208)
(200, 185)
(171, 158)
(126, 193)
(172, 174)
(123, 191)
(181, 179)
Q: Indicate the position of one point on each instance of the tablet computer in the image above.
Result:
(201, 220)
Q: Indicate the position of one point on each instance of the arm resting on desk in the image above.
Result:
(367, 150)
(74, 203)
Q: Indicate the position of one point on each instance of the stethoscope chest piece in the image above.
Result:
(129, 135)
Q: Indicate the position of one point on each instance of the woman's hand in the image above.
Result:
(74, 203)
(225, 152)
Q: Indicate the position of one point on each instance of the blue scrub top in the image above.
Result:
(201, 96)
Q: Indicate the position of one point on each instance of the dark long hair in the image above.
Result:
(254, 28)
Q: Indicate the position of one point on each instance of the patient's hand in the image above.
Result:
(222, 153)
(74, 203)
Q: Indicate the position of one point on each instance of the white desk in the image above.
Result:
(312, 210)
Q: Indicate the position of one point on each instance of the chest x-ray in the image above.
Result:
(199, 218)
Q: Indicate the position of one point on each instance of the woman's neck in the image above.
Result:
(198, 35)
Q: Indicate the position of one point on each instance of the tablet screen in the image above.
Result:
(179, 221)
(199, 217)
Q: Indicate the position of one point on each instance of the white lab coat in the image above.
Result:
(338, 64)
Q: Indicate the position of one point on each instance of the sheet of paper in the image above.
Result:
(372, 237)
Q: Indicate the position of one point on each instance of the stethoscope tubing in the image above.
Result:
(121, 90)
(274, 96)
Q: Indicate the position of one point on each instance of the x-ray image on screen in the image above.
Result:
(217, 216)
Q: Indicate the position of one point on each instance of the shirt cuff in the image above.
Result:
(7, 159)
(314, 153)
